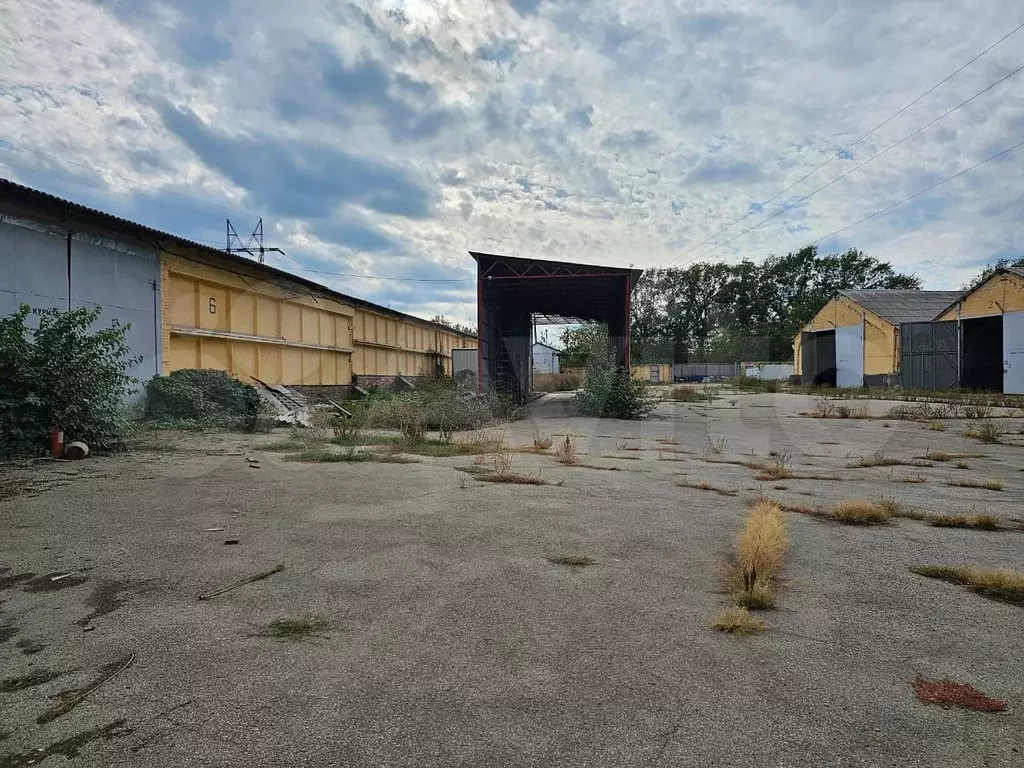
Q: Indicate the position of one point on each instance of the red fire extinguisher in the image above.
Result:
(56, 442)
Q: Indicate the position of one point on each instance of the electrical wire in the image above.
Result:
(852, 144)
(858, 166)
(888, 208)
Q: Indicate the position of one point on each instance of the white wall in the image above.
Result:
(123, 281)
(545, 360)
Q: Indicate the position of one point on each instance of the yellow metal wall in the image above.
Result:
(386, 346)
(881, 338)
(1000, 293)
(249, 327)
(257, 328)
(643, 372)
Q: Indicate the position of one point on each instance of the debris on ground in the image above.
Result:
(258, 577)
(111, 671)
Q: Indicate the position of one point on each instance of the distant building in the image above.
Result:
(656, 373)
(854, 339)
(545, 358)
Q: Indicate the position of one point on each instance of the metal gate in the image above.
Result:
(930, 355)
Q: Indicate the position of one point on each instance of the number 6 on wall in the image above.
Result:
(213, 306)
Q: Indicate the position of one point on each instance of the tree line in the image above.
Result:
(718, 312)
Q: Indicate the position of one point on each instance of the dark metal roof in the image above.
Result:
(1019, 271)
(10, 190)
(542, 267)
(903, 306)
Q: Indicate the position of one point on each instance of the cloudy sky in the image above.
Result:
(389, 138)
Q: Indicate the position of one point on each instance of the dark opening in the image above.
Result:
(818, 358)
(511, 290)
(982, 357)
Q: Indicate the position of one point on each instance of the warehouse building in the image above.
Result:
(985, 326)
(854, 339)
(193, 306)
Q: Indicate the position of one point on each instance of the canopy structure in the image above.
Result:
(512, 291)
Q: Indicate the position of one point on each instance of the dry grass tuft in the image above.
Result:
(572, 561)
(946, 693)
(565, 453)
(989, 485)
(982, 521)
(706, 486)
(937, 426)
(511, 479)
(941, 456)
(995, 583)
(759, 551)
(985, 432)
(738, 621)
(912, 479)
(879, 459)
(294, 629)
(543, 442)
(860, 512)
(961, 465)
(322, 455)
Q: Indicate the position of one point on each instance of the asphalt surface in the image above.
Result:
(453, 641)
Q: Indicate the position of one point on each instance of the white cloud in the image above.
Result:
(623, 132)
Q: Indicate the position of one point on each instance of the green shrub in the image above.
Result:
(200, 398)
(61, 373)
(611, 392)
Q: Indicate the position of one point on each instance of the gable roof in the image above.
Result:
(903, 306)
(1018, 271)
(547, 346)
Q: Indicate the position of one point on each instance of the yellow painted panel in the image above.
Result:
(837, 313)
(184, 352)
(214, 354)
(243, 360)
(181, 293)
(213, 307)
(327, 326)
(880, 353)
(343, 331)
(291, 365)
(267, 317)
(310, 325)
(344, 369)
(357, 326)
(1000, 293)
(270, 364)
(290, 323)
(311, 369)
(243, 313)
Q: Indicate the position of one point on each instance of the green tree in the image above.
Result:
(749, 310)
(582, 342)
(991, 269)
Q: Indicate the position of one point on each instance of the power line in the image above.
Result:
(860, 165)
(918, 194)
(839, 154)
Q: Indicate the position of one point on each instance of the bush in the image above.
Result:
(611, 392)
(199, 398)
(447, 410)
(62, 374)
